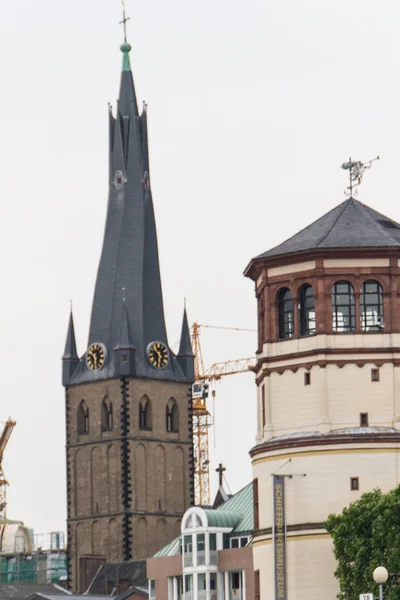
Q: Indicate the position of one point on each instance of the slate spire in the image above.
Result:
(185, 354)
(70, 357)
(129, 257)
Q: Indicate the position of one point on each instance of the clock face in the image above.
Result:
(96, 356)
(157, 354)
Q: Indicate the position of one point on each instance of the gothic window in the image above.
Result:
(83, 418)
(306, 310)
(285, 314)
(371, 306)
(145, 414)
(343, 307)
(107, 423)
(172, 416)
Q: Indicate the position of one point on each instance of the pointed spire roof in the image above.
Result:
(349, 225)
(185, 346)
(129, 257)
(70, 352)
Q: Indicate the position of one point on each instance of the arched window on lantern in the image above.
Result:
(261, 321)
(172, 416)
(145, 414)
(306, 310)
(83, 418)
(371, 306)
(107, 423)
(285, 314)
(343, 307)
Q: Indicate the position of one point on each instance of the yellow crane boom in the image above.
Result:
(201, 415)
(4, 437)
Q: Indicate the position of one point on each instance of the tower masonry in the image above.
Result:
(328, 387)
(128, 397)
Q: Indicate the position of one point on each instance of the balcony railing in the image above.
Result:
(202, 595)
(201, 558)
(213, 557)
(236, 594)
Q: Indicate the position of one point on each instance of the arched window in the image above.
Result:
(371, 306)
(83, 418)
(145, 414)
(285, 314)
(306, 310)
(172, 416)
(343, 307)
(107, 423)
(261, 322)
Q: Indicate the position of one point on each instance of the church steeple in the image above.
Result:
(129, 257)
(70, 357)
(185, 354)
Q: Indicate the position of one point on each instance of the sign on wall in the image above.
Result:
(279, 537)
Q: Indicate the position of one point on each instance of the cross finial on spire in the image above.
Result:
(220, 470)
(125, 19)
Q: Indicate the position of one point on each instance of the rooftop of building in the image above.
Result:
(351, 224)
(237, 513)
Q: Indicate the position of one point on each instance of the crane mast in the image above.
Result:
(4, 437)
(201, 415)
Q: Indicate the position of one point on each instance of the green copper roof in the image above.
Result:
(170, 549)
(217, 518)
(125, 49)
(241, 503)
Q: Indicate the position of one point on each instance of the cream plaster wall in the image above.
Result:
(333, 341)
(325, 488)
(311, 568)
(333, 400)
(335, 263)
(296, 268)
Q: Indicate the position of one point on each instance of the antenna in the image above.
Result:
(125, 18)
(356, 170)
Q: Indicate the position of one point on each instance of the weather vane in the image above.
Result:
(356, 170)
(125, 19)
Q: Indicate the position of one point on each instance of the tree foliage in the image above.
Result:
(366, 535)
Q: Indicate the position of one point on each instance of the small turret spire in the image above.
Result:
(185, 354)
(70, 357)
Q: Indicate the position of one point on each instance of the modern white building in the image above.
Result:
(328, 383)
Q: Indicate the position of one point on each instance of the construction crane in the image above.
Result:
(201, 415)
(4, 437)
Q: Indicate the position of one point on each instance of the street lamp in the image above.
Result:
(380, 576)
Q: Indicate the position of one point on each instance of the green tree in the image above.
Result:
(366, 535)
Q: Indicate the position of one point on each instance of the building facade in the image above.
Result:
(328, 385)
(212, 558)
(128, 400)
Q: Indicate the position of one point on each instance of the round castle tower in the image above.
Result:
(328, 388)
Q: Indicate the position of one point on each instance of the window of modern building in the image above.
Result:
(234, 542)
(239, 542)
(83, 418)
(236, 580)
(285, 314)
(152, 589)
(213, 582)
(212, 540)
(371, 306)
(179, 581)
(188, 550)
(188, 587)
(354, 483)
(307, 378)
(106, 415)
(306, 310)
(343, 307)
(225, 541)
(201, 586)
(363, 419)
(201, 549)
(374, 374)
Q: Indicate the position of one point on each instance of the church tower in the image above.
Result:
(328, 382)
(128, 398)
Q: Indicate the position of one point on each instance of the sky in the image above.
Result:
(252, 106)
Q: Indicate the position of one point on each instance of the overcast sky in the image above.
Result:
(253, 106)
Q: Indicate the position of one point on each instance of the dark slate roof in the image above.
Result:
(113, 575)
(185, 346)
(70, 344)
(349, 225)
(129, 264)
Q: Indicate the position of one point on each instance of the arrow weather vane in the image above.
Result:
(356, 170)
(125, 19)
